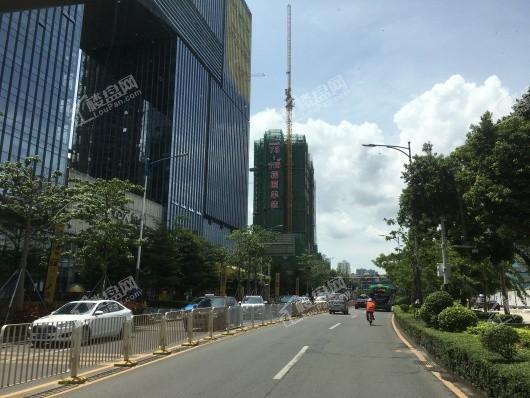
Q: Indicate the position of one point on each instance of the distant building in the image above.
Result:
(270, 186)
(365, 272)
(344, 267)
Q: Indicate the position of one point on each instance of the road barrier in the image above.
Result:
(32, 351)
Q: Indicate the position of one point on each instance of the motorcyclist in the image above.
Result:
(370, 309)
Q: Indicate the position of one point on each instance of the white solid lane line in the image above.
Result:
(291, 363)
(334, 326)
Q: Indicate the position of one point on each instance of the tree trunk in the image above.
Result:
(238, 292)
(504, 291)
(248, 276)
(417, 270)
(22, 267)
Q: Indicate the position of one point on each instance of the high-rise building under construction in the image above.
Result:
(270, 187)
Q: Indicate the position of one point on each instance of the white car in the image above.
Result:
(98, 318)
(321, 299)
(252, 301)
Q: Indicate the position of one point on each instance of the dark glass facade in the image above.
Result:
(38, 65)
(190, 64)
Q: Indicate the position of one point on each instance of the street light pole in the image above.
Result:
(417, 276)
(147, 165)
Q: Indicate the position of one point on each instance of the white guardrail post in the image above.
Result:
(240, 315)
(189, 328)
(210, 324)
(126, 345)
(75, 355)
(162, 343)
(227, 321)
(263, 314)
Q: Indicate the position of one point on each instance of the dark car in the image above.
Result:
(338, 303)
(360, 302)
(220, 316)
(216, 302)
(193, 304)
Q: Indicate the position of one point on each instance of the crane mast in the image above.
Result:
(289, 105)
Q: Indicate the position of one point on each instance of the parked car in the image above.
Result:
(193, 304)
(288, 299)
(338, 303)
(252, 301)
(99, 318)
(216, 302)
(219, 320)
(305, 300)
(360, 301)
(321, 299)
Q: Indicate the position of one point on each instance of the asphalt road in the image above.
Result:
(323, 356)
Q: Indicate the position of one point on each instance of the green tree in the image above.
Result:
(104, 245)
(249, 246)
(493, 167)
(160, 260)
(30, 206)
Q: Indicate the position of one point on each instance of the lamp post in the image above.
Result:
(148, 164)
(405, 150)
(269, 264)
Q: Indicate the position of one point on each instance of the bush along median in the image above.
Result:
(503, 370)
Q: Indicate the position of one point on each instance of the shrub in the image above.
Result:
(404, 307)
(479, 328)
(501, 339)
(402, 300)
(464, 355)
(484, 316)
(456, 319)
(433, 305)
(505, 318)
(524, 338)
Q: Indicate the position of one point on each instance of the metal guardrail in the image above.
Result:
(34, 351)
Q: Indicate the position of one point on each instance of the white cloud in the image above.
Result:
(356, 187)
(443, 114)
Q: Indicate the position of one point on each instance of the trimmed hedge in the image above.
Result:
(524, 336)
(499, 318)
(433, 305)
(463, 354)
(404, 307)
(456, 319)
(501, 339)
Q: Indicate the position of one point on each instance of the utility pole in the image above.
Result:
(289, 105)
(446, 267)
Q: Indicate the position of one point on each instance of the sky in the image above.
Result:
(384, 72)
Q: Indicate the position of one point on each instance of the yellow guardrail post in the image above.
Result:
(75, 356)
(189, 322)
(126, 345)
(162, 345)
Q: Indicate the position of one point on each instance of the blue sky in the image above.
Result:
(413, 70)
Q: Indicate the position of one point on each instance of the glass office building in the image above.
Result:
(38, 64)
(160, 78)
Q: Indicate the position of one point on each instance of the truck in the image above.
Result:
(383, 295)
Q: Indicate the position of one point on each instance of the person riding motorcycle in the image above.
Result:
(370, 309)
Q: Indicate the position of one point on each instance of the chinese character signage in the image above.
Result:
(274, 167)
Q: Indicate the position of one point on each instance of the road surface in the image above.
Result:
(323, 356)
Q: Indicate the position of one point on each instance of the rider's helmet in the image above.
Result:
(370, 299)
